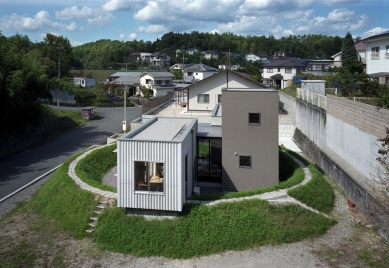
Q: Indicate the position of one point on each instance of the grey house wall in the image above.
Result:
(240, 138)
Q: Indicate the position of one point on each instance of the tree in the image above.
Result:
(348, 49)
(146, 91)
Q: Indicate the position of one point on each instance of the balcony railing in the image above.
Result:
(375, 54)
(313, 98)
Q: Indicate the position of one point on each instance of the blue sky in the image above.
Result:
(83, 21)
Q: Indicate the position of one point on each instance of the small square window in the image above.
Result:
(255, 118)
(245, 161)
(219, 98)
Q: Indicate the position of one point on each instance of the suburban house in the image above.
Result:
(281, 72)
(198, 72)
(129, 79)
(209, 54)
(205, 94)
(318, 66)
(180, 66)
(163, 160)
(279, 54)
(84, 82)
(141, 56)
(232, 67)
(256, 57)
(377, 56)
(191, 51)
(361, 50)
(159, 81)
(159, 59)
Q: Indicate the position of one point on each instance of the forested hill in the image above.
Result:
(104, 53)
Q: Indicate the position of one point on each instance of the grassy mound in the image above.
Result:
(317, 193)
(94, 166)
(204, 230)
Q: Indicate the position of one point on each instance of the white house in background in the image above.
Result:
(159, 81)
(141, 56)
(191, 51)
(205, 94)
(180, 66)
(281, 72)
(155, 164)
(233, 67)
(198, 72)
(361, 50)
(377, 56)
(159, 59)
(256, 57)
(210, 54)
(84, 82)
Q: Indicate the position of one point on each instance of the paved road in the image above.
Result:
(21, 168)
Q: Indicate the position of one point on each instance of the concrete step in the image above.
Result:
(93, 225)
(101, 207)
(98, 212)
(90, 230)
(93, 218)
(103, 202)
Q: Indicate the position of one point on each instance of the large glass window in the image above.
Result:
(269, 70)
(209, 158)
(245, 161)
(203, 98)
(288, 70)
(149, 176)
(219, 98)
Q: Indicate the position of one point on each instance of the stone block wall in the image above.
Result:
(366, 117)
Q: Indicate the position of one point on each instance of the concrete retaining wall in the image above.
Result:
(288, 104)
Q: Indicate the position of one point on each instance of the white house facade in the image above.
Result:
(198, 72)
(84, 82)
(159, 81)
(255, 57)
(377, 56)
(204, 95)
(281, 72)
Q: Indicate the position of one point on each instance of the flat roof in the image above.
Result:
(206, 130)
(161, 129)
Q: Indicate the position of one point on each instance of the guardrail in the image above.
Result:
(310, 97)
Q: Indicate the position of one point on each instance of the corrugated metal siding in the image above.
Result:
(163, 152)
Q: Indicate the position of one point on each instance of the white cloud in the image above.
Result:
(214, 31)
(74, 12)
(41, 21)
(76, 43)
(374, 31)
(121, 36)
(267, 7)
(132, 36)
(121, 5)
(101, 20)
(340, 2)
(153, 29)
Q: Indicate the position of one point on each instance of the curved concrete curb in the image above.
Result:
(279, 196)
(83, 185)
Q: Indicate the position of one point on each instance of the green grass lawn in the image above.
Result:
(317, 193)
(92, 168)
(291, 91)
(198, 230)
(76, 116)
(204, 230)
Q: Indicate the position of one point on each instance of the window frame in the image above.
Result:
(198, 96)
(288, 70)
(375, 52)
(240, 162)
(269, 70)
(259, 119)
(219, 98)
(148, 186)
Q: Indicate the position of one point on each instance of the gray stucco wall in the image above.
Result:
(242, 139)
